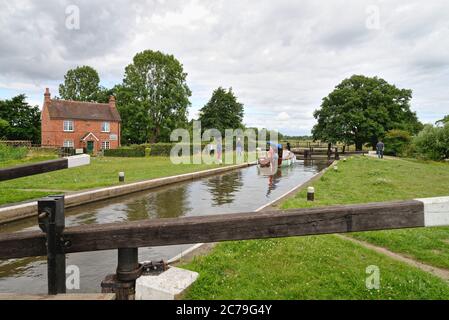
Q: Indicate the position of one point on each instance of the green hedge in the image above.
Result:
(164, 149)
(161, 149)
(131, 152)
(156, 149)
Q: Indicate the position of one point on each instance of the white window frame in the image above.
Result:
(68, 144)
(103, 127)
(70, 126)
(105, 145)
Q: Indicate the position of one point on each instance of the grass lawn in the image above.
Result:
(327, 267)
(363, 179)
(100, 173)
(316, 267)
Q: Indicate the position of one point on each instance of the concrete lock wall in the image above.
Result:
(29, 209)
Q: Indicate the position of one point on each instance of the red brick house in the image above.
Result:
(76, 124)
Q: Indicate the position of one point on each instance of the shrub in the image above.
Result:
(396, 142)
(161, 149)
(12, 153)
(164, 149)
(131, 152)
(433, 142)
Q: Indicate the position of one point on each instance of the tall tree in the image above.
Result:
(222, 112)
(4, 128)
(157, 97)
(135, 119)
(443, 121)
(19, 120)
(81, 84)
(362, 109)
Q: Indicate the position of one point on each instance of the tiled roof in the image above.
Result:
(64, 109)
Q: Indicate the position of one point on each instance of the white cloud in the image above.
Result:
(281, 58)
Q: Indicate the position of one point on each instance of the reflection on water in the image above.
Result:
(236, 191)
(223, 188)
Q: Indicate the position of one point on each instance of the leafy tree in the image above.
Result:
(433, 142)
(222, 112)
(135, 120)
(4, 126)
(19, 120)
(396, 141)
(103, 95)
(81, 84)
(443, 121)
(361, 110)
(157, 97)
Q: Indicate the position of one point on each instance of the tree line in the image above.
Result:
(152, 99)
(363, 110)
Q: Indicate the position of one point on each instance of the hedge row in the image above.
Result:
(131, 152)
(157, 149)
(164, 149)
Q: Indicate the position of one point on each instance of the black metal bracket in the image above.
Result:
(154, 267)
(52, 221)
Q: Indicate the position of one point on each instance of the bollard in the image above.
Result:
(310, 194)
(51, 222)
(121, 177)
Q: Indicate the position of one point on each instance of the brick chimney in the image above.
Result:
(112, 101)
(47, 95)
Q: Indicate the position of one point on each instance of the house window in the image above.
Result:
(68, 125)
(105, 127)
(68, 143)
(105, 145)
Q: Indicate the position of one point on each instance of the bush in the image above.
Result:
(397, 142)
(433, 142)
(164, 149)
(161, 149)
(131, 152)
(12, 153)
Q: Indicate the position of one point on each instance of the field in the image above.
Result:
(331, 267)
(102, 172)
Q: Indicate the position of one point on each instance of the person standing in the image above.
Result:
(380, 147)
(219, 151)
(239, 147)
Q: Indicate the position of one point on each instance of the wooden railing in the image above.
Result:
(127, 237)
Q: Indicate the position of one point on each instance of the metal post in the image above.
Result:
(124, 281)
(51, 221)
(128, 263)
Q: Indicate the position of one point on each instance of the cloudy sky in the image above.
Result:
(280, 57)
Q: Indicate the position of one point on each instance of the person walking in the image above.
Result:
(219, 151)
(380, 147)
